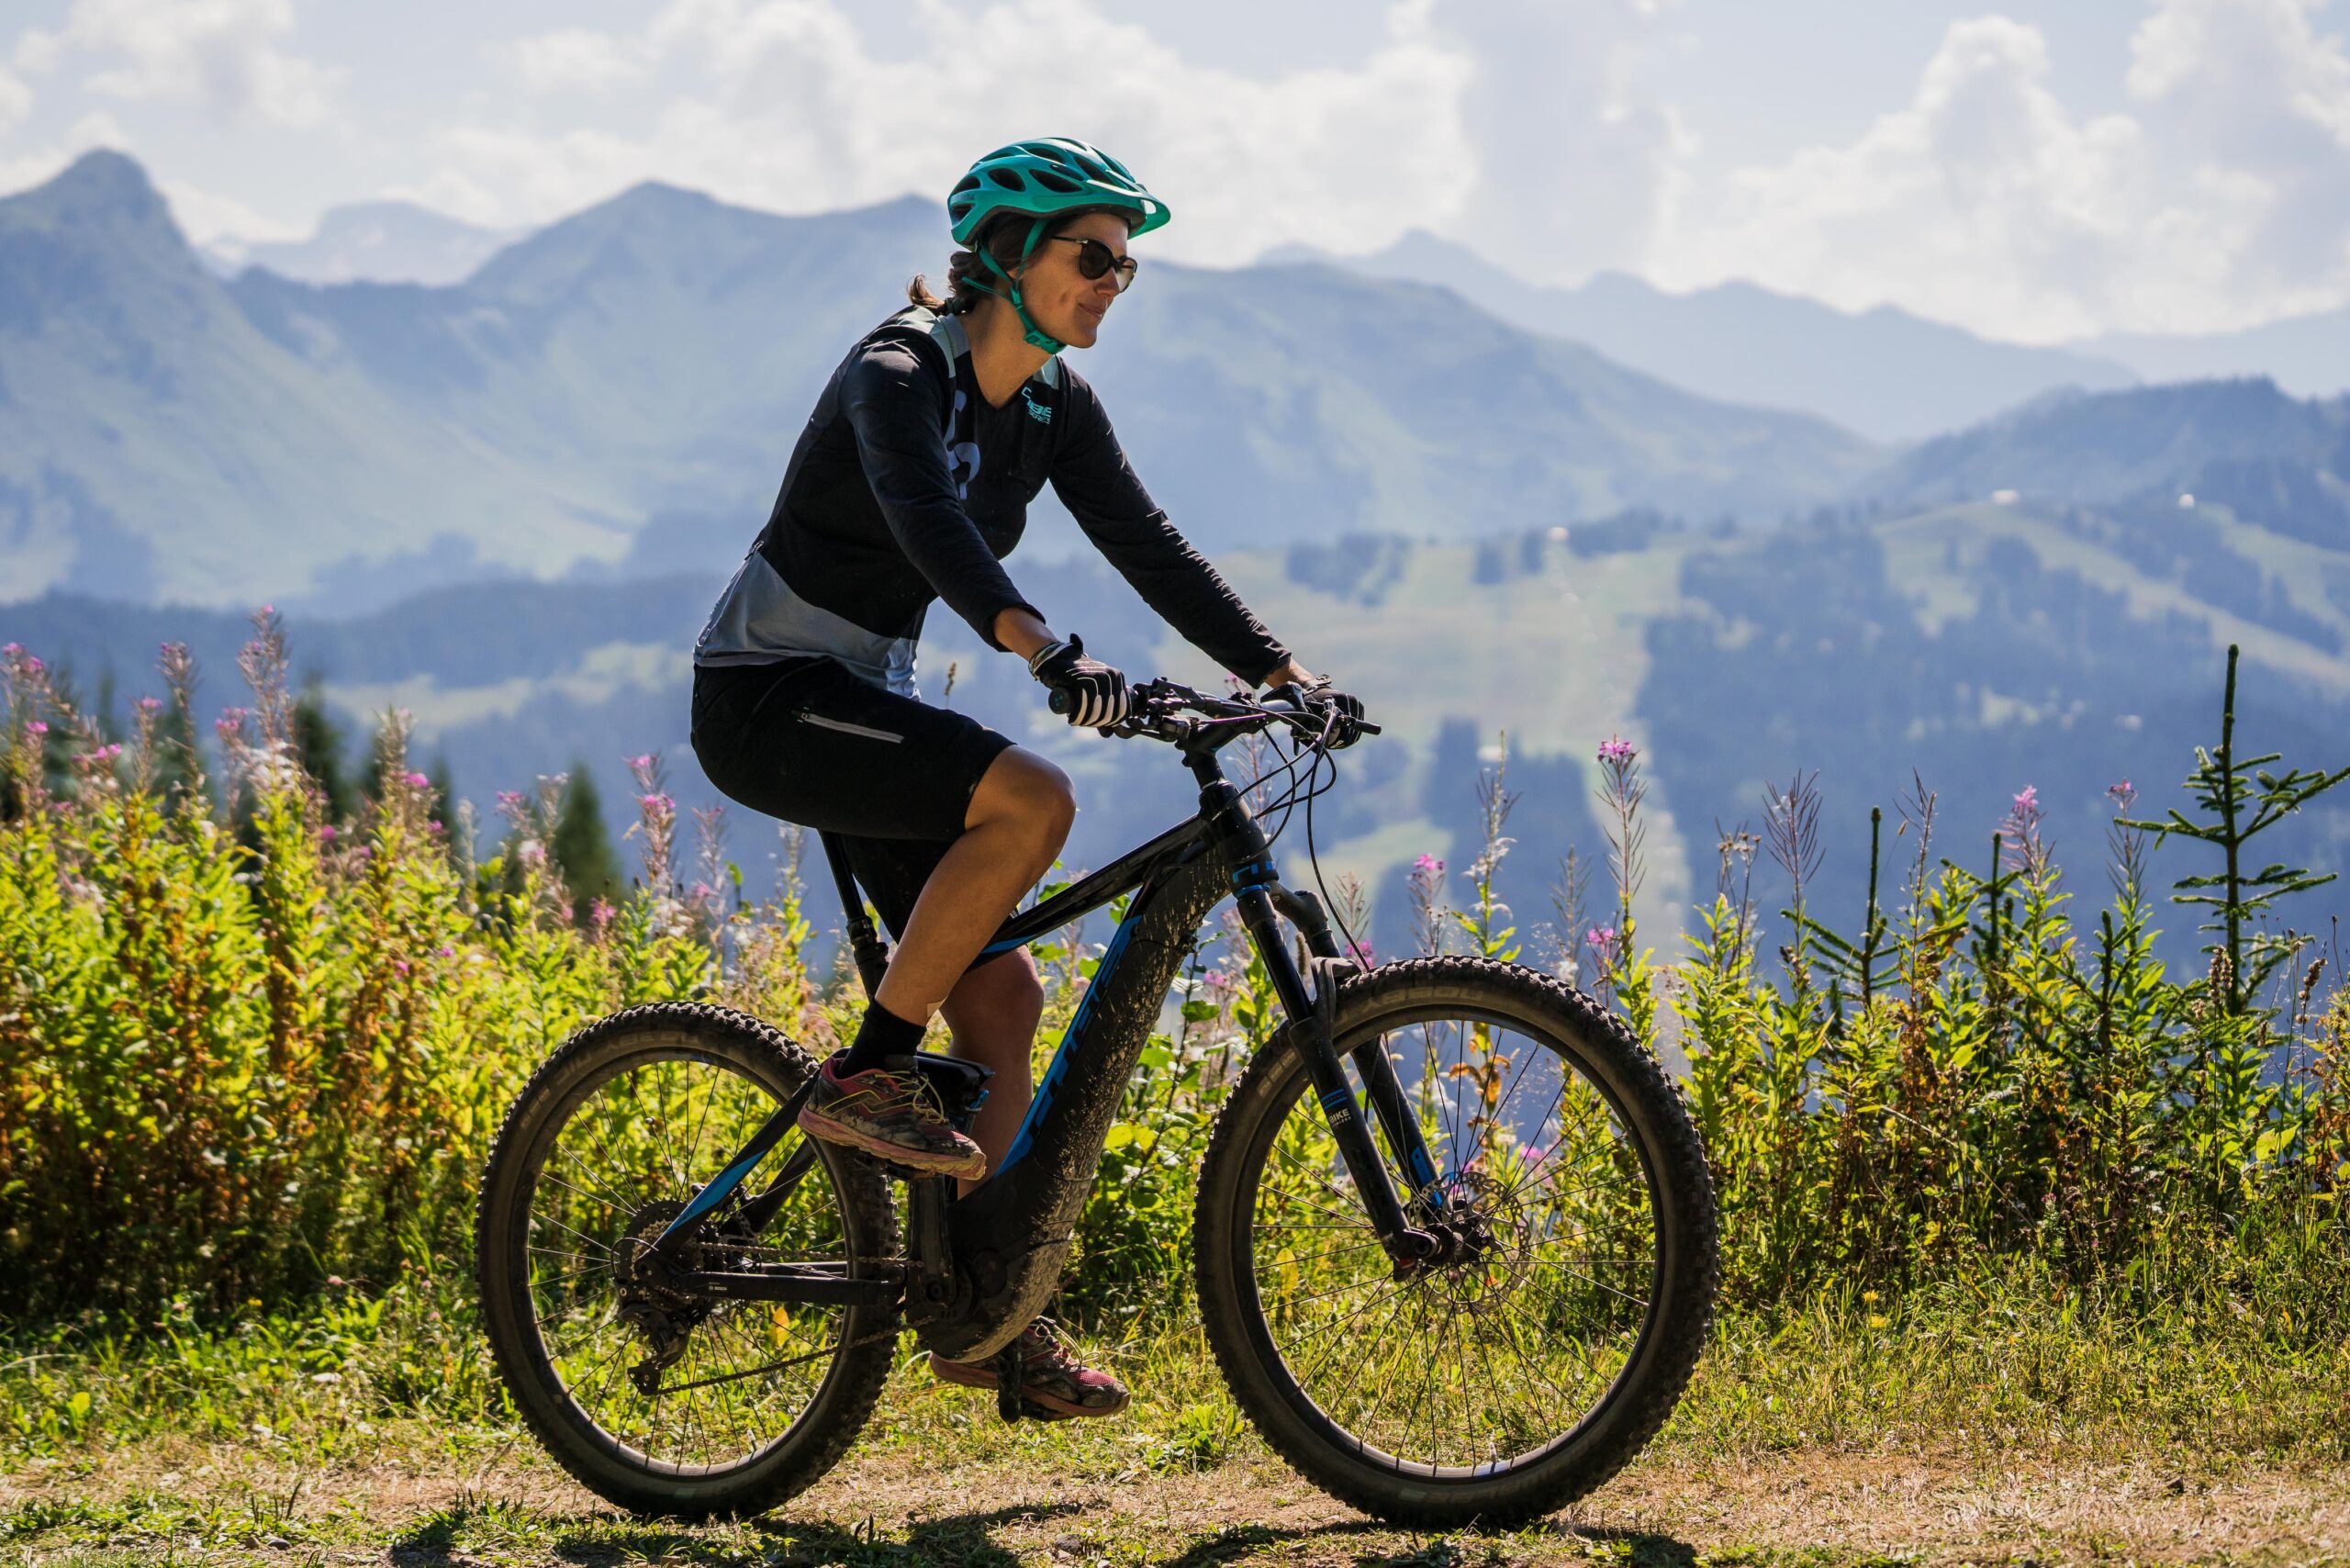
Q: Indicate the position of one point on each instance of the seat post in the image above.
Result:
(872, 956)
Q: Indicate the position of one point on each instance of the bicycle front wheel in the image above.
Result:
(1555, 1333)
(658, 1398)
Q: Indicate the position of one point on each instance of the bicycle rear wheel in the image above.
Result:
(1552, 1338)
(660, 1400)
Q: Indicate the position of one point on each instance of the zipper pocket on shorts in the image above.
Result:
(848, 729)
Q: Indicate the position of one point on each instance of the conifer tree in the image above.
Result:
(319, 745)
(582, 850)
(2243, 800)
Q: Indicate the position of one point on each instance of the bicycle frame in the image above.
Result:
(978, 1268)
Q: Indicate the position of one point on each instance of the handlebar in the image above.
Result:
(1157, 706)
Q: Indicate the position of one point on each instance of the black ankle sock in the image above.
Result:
(883, 1033)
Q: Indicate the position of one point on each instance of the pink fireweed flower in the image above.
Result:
(1615, 748)
(36, 729)
(656, 802)
(1427, 865)
(12, 649)
(1362, 953)
(151, 705)
(328, 831)
(2122, 794)
(419, 782)
(448, 952)
(33, 665)
(644, 759)
(509, 797)
(2028, 802)
(600, 915)
(1600, 936)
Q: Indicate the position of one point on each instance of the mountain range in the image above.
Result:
(1884, 372)
(375, 241)
(642, 366)
(506, 503)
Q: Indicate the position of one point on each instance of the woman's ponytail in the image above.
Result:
(966, 284)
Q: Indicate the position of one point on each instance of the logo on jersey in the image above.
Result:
(1040, 412)
(962, 457)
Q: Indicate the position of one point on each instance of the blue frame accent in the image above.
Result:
(710, 1197)
(1043, 1099)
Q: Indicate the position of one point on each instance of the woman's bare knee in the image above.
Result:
(1029, 795)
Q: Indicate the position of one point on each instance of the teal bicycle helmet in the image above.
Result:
(1042, 179)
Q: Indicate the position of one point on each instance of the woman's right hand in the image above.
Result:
(1090, 692)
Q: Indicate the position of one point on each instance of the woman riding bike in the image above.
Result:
(911, 482)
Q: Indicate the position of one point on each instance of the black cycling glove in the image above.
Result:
(1339, 712)
(1092, 693)
(1347, 710)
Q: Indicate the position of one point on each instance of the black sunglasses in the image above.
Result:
(1094, 258)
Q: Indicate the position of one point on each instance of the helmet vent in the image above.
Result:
(1008, 178)
(1052, 182)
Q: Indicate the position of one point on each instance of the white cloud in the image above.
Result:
(576, 59)
(2223, 200)
(1578, 156)
(787, 110)
(221, 54)
(43, 163)
(207, 218)
(16, 98)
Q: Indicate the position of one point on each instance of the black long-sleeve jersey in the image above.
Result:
(907, 485)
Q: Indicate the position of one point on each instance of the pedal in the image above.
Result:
(962, 1086)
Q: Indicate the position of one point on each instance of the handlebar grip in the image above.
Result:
(1363, 727)
(1060, 701)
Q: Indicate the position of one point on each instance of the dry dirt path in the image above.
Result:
(179, 1502)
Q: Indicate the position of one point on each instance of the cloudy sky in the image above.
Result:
(2039, 173)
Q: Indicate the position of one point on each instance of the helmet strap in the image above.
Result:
(1034, 335)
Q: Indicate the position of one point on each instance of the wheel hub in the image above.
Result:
(1483, 1243)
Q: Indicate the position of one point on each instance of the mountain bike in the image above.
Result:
(1454, 1231)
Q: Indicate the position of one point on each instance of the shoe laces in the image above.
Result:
(919, 1090)
(1053, 1347)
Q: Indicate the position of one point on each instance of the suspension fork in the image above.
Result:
(1381, 1086)
(1310, 1021)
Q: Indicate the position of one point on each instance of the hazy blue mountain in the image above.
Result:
(634, 376)
(1885, 373)
(2157, 442)
(154, 442)
(376, 242)
(2306, 355)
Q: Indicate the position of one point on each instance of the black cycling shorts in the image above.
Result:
(806, 741)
